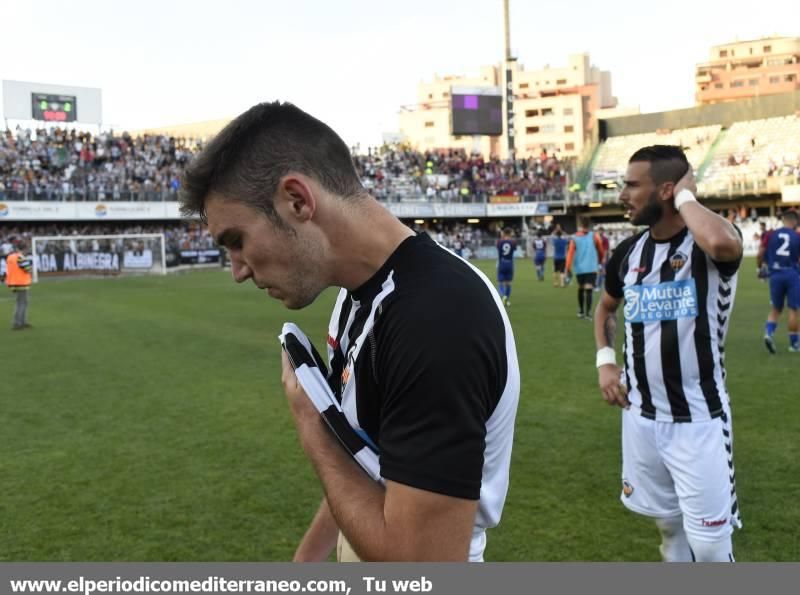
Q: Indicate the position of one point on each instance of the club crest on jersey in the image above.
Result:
(627, 488)
(348, 365)
(677, 261)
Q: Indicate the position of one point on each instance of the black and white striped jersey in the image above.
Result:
(423, 360)
(677, 307)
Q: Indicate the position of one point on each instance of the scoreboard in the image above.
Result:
(54, 108)
(477, 110)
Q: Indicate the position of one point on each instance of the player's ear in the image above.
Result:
(667, 191)
(296, 198)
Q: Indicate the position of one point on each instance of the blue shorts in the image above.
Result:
(505, 271)
(784, 286)
(539, 259)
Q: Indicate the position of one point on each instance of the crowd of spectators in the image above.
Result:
(177, 236)
(60, 164)
(395, 173)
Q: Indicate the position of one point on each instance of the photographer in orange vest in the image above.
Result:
(18, 279)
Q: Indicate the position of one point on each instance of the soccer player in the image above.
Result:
(505, 264)
(677, 280)
(559, 259)
(432, 387)
(761, 265)
(539, 245)
(601, 276)
(781, 253)
(586, 253)
(18, 280)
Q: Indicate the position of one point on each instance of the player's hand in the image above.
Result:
(687, 182)
(300, 405)
(614, 392)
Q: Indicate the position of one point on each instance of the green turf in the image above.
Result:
(143, 419)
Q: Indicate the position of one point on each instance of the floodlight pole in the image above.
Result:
(508, 63)
(507, 31)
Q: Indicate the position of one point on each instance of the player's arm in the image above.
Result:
(605, 333)
(598, 243)
(320, 538)
(762, 252)
(716, 236)
(570, 255)
(396, 523)
(605, 330)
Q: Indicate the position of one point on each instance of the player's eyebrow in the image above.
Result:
(630, 182)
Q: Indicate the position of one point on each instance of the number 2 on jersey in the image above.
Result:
(783, 250)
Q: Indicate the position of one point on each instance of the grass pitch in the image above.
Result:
(142, 419)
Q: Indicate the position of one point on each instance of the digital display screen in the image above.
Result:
(474, 114)
(54, 108)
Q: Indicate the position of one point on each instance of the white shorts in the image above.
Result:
(671, 469)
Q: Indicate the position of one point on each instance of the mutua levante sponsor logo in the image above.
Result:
(662, 301)
(3, 209)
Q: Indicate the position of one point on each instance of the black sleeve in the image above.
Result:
(441, 370)
(614, 283)
(728, 269)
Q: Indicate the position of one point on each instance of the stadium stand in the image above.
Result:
(56, 164)
(394, 174)
(178, 236)
(749, 152)
(612, 159)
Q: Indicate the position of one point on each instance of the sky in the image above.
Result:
(353, 63)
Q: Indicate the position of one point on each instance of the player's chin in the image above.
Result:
(294, 302)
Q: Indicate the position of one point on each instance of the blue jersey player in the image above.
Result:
(782, 253)
(505, 265)
(560, 245)
(539, 254)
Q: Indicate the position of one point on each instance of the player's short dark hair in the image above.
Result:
(791, 215)
(668, 163)
(507, 231)
(248, 157)
(584, 222)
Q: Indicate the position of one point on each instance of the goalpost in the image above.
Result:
(99, 255)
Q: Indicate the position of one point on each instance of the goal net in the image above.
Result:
(98, 255)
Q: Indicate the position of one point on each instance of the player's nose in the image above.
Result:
(240, 271)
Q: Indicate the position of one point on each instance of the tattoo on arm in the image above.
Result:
(610, 328)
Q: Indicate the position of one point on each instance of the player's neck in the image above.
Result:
(667, 227)
(363, 242)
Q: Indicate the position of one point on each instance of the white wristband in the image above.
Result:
(605, 356)
(683, 197)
